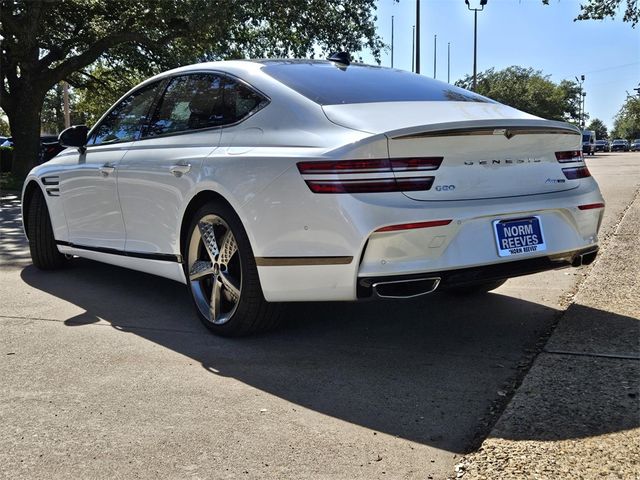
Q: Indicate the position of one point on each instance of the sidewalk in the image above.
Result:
(577, 413)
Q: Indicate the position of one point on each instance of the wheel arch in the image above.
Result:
(27, 196)
(200, 199)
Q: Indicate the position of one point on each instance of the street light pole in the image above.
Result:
(584, 94)
(413, 49)
(417, 36)
(391, 41)
(435, 53)
(581, 101)
(475, 39)
(449, 62)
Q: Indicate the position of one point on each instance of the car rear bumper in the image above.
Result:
(324, 255)
(422, 283)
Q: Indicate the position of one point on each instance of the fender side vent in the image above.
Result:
(52, 185)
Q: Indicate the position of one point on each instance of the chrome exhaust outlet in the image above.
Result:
(414, 287)
(586, 258)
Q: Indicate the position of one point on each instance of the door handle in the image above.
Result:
(180, 169)
(107, 169)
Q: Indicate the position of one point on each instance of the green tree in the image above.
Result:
(4, 128)
(601, 9)
(45, 42)
(626, 123)
(528, 90)
(599, 127)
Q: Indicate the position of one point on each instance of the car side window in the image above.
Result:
(201, 100)
(189, 102)
(123, 123)
(240, 100)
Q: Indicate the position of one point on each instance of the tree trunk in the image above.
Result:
(25, 130)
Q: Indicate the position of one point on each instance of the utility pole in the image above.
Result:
(65, 101)
(435, 53)
(417, 36)
(413, 49)
(391, 41)
(448, 62)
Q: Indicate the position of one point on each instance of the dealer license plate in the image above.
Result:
(522, 235)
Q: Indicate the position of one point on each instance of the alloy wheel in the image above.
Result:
(214, 269)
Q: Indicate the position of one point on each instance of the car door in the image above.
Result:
(161, 168)
(89, 186)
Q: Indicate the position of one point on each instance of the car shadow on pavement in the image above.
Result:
(432, 370)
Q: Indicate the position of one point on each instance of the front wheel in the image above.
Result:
(42, 243)
(222, 275)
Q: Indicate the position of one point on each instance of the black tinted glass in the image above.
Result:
(123, 123)
(201, 100)
(326, 84)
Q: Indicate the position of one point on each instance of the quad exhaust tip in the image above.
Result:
(414, 287)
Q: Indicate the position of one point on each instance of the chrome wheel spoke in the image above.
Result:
(230, 286)
(214, 306)
(199, 269)
(208, 236)
(228, 248)
(214, 269)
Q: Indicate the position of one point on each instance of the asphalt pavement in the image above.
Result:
(107, 373)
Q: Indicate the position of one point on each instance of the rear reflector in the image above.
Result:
(371, 185)
(574, 173)
(591, 206)
(570, 156)
(411, 226)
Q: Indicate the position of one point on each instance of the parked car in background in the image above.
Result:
(267, 181)
(602, 145)
(588, 142)
(49, 147)
(635, 145)
(620, 145)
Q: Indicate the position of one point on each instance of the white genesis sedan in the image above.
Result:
(259, 182)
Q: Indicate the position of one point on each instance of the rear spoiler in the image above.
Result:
(508, 132)
(507, 127)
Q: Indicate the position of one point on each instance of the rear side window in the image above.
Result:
(201, 100)
(327, 84)
(124, 121)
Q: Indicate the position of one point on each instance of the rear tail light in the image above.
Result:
(575, 173)
(411, 226)
(378, 183)
(591, 206)
(569, 156)
(415, 164)
(344, 166)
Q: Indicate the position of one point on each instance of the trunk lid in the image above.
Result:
(494, 151)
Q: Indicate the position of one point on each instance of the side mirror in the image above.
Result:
(75, 136)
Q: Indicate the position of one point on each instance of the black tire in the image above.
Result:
(249, 314)
(42, 244)
(476, 288)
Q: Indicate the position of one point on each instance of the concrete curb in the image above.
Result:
(577, 412)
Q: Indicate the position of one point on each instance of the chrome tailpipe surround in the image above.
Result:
(414, 287)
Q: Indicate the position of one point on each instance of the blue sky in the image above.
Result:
(524, 33)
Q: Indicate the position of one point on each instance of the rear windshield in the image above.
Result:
(326, 84)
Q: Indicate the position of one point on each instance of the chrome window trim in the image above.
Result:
(166, 80)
